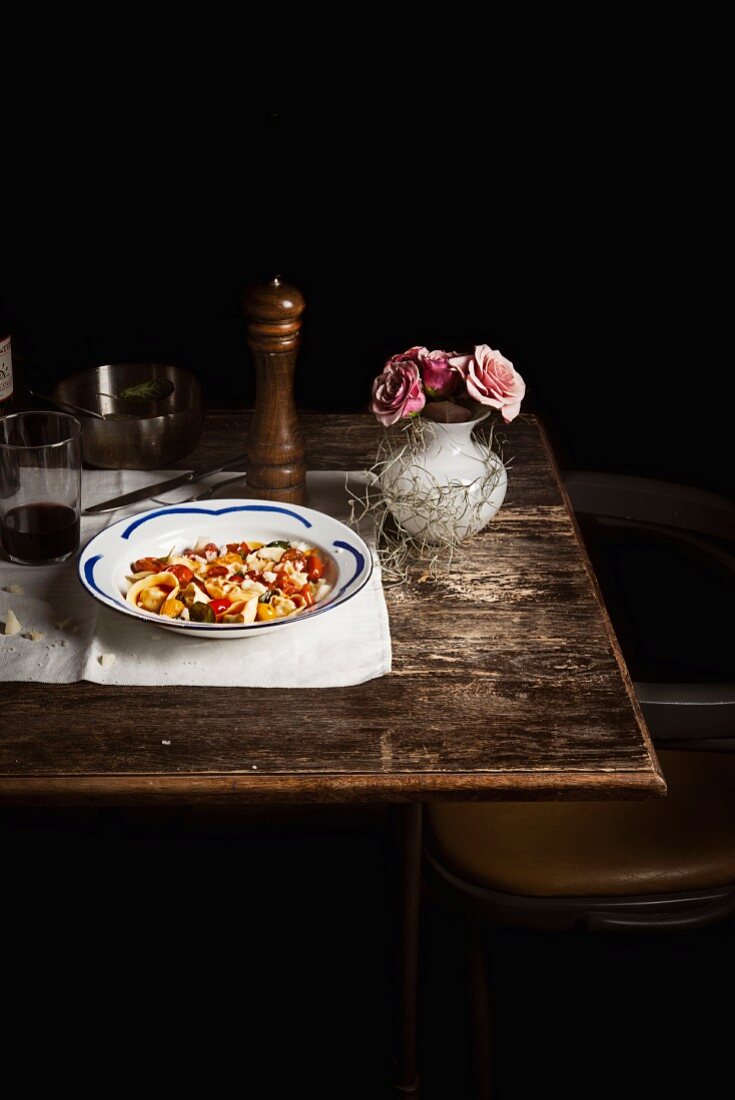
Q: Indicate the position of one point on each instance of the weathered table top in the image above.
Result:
(513, 688)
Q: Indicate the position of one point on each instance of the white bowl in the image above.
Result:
(105, 561)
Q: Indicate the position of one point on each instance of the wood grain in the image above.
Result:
(508, 685)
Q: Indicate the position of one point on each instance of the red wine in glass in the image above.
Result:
(37, 533)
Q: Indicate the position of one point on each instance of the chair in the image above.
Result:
(661, 865)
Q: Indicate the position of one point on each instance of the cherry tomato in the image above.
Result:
(307, 595)
(293, 555)
(217, 571)
(218, 606)
(182, 573)
(314, 567)
(304, 597)
(265, 612)
(287, 585)
(210, 548)
(142, 565)
(241, 548)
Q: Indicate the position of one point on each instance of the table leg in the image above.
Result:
(409, 869)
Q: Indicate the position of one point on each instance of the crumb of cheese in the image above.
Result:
(107, 659)
(14, 589)
(12, 623)
(62, 624)
(35, 635)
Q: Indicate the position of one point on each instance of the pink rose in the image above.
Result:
(397, 391)
(492, 380)
(440, 377)
(413, 355)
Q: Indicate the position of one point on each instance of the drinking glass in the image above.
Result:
(40, 486)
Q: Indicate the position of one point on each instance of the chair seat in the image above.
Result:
(685, 841)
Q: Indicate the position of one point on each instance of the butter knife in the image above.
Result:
(160, 487)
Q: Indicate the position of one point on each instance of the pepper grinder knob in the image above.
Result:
(275, 445)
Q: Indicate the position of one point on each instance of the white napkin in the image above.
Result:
(348, 646)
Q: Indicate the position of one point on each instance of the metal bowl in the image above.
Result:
(137, 433)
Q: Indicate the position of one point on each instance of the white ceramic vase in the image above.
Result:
(447, 487)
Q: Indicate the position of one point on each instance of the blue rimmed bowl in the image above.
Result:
(105, 562)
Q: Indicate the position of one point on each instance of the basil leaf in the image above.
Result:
(280, 542)
(201, 613)
(155, 388)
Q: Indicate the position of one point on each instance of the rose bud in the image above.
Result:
(440, 377)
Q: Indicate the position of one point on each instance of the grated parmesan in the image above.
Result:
(14, 589)
(12, 624)
(107, 659)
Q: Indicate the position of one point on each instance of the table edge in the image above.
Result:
(615, 645)
(335, 787)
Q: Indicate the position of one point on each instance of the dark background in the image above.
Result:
(578, 232)
(571, 215)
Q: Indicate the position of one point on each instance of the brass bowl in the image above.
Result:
(137, 433)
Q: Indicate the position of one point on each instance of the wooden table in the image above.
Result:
(511, 686)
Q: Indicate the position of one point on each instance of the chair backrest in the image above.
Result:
(679, 715)
(646, 500)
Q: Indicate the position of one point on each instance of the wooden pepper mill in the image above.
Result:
(275, 446)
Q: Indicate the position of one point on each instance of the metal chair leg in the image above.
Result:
(409, 867)
(481, 1022)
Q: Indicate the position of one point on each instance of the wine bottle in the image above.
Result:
(6, 366)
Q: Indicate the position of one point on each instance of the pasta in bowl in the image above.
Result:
(239, 582)
(225, 568)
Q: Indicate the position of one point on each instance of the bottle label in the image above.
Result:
(6, 370)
